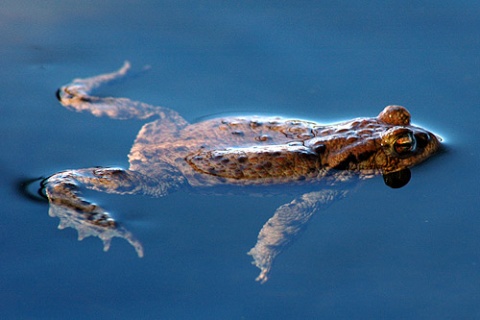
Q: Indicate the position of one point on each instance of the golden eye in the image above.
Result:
(399, 142)
(405, 144)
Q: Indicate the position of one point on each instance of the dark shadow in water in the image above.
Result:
(32, 189)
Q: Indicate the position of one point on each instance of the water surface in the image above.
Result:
(380, 253)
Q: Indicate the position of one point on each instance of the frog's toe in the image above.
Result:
(262, 260)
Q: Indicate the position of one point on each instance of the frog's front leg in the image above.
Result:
(286, 225)
(63, 190)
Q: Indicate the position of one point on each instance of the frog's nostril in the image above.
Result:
(422, 139)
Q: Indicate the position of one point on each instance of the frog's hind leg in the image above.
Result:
(63, 190)
(286, 225)
(77, 96)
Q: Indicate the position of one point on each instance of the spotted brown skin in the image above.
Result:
(169, 153)
(261, 150)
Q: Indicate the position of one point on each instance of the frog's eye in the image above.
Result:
(400, 142)
(405, 144)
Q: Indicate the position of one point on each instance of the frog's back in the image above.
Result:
(246, 132)
(160, 143)
(266, 150)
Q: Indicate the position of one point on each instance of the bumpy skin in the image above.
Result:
(169, 152)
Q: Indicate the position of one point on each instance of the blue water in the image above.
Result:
(380, 253)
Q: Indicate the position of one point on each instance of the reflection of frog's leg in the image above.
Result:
(66, 202)
(76, 96)
(285, 225)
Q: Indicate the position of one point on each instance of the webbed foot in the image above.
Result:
(89, 219)
(97, 223)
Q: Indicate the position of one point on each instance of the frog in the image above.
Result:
(240, 153)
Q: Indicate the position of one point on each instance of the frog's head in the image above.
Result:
(387, 144)
(402, 146)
